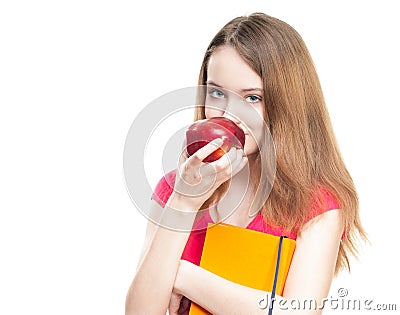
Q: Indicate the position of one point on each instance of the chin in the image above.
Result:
(250, 147)
(250, 153)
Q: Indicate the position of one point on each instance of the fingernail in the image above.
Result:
(218, 141)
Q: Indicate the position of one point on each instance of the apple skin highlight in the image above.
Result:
(204, 131)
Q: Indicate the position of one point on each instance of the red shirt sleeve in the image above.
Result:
(323, 202)
(164, 188)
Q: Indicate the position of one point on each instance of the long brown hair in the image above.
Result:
(307, 154)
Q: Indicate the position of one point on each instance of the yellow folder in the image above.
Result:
(246, 257)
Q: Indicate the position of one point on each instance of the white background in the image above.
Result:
(74, 75)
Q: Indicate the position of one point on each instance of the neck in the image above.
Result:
(234, 207)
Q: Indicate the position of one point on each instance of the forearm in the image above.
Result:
(153, 283)
(218, 295)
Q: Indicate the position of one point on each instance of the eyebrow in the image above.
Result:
(242, 90)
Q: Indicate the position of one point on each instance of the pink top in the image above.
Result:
(194, 245)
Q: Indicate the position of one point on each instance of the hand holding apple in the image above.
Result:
(207, 141)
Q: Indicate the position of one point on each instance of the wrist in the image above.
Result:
(178, 214)
(181, 202)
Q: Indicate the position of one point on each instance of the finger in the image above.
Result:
(172, 310)
(226, 160)
(174, 304)
(183, 156)
(238, 154)
(236, 161)
(221, 164)
(234, 167)
(242, 163)
(207, 169)
(198, 157)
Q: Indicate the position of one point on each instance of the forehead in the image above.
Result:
(229, 70)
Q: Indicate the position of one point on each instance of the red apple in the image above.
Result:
(204, 131)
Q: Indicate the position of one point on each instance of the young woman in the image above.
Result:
(313, 199)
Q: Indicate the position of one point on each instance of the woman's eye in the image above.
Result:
(253, 99)
(216, 93)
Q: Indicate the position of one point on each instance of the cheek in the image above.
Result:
(250, 145)
(261, 110)
(256, 137)
(210, 112)
(258, 124)
(255, 121)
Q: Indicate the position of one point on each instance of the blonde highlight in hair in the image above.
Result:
(307, 154)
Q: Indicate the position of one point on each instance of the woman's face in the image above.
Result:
(235, 91)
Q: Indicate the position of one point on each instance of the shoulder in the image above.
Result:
(164, 188)
(324, 207)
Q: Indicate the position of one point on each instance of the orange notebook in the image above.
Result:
(246, 257)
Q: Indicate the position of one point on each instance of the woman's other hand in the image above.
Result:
(179, 304)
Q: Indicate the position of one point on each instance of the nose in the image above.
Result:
(234, 119)
(231, 112)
